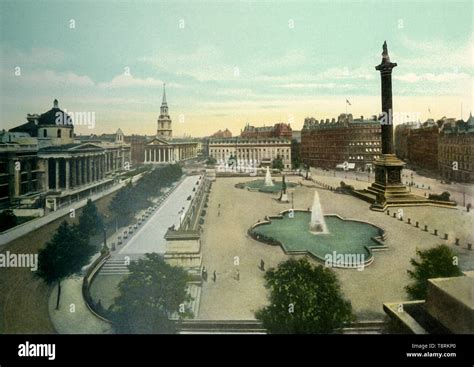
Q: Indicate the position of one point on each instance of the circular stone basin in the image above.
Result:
(348, 243)
(259, 185)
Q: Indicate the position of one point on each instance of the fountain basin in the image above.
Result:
(345, 237)
(259, 185)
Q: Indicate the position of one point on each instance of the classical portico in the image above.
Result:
(82, 164)
(160, 151)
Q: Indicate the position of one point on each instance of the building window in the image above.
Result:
(59, 133)
(45, 133)
(70, 133)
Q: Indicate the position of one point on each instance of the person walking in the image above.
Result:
(237, 274)
(262, 265)
(214, 276)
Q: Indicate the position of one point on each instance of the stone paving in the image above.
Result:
(73, 316)
(232, 211)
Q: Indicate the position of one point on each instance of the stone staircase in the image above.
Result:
(115, 266)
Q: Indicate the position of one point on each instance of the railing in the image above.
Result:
(88, 278)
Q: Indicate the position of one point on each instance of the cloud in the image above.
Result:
(128, 81)
(315, 86)
(435, 78)
(438, 55)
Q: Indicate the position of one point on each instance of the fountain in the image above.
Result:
(317, 225)
(268, 178)
(336, 241)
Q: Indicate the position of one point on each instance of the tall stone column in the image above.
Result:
(45, 177)
(385, 69)
(15, 174)
(89, 166)
(79, 171)
(56, 172)
(73, 172)
(67, 173)
(388, 188)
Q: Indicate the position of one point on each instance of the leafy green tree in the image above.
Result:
(67, 252)
(7, 220)
(119, 205)
(303, 300)
(90, 221)
(149, 296)
(277, 163)
(437, 262)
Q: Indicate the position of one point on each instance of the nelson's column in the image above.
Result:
(388, 188)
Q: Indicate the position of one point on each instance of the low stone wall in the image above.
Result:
(87, 281)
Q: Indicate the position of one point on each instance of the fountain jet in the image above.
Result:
(317, 224)
(268, 178)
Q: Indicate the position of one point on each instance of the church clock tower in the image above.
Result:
(164, 130)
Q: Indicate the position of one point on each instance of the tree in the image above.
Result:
(90, 221)
(149, 296)
(277, 163)
(65, 254)
(7, 220)
(120, 205)
(303, 300)
(295, 154)
(437, 262)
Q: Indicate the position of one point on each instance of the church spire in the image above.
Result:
(164, 105)
(164, 94)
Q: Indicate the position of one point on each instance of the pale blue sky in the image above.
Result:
(231, 62)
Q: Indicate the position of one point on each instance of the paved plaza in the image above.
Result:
(232, 211)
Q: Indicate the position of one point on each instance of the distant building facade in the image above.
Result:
(254, 152)
(329, 143)
(417, 144)
(444, 147)
(456, 151)
(137, 147)
(279, 130)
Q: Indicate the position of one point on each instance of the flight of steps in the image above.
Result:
(115, 266)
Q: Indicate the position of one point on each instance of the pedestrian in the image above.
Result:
(214, 276)
(237, 275)
(204, 273)
(262, 265)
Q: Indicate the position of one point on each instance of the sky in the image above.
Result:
(228, 63)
